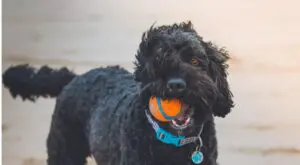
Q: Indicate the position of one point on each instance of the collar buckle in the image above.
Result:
(168, 138)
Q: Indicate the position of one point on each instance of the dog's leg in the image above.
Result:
(210, 143)
(66, 143)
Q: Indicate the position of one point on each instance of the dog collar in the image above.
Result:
(168, 138)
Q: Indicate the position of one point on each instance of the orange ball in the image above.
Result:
(164, 110)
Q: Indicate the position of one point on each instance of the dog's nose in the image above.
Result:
(176, 84)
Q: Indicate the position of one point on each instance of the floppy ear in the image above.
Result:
(217, 69)
(142, 70)
(149, 41)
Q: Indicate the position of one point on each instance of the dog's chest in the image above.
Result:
(162, 154)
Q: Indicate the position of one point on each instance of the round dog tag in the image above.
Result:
(197, 157)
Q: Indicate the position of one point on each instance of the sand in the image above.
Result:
(262, 36)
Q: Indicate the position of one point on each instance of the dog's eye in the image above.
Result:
(194, 61)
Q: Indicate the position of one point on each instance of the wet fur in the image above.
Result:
(102, 112)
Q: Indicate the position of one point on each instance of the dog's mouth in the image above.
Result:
(183, 120)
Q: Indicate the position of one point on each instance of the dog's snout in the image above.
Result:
(176, 84)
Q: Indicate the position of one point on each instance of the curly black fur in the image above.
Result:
(102, 112)
(30, 83)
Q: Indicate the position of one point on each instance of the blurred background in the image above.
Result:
(262, 35)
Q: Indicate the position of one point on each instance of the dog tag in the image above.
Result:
(197, 157)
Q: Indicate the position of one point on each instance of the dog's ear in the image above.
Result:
(143, 70)
(217, 69)
(141, 66)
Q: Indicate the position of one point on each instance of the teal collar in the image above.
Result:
(168, 138)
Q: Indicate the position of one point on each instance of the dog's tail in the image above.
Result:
(31, 83)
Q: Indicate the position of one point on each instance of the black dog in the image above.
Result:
(104, 113)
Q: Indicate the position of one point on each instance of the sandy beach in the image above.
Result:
(262, 36)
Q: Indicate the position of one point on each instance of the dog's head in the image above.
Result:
(174, 62)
